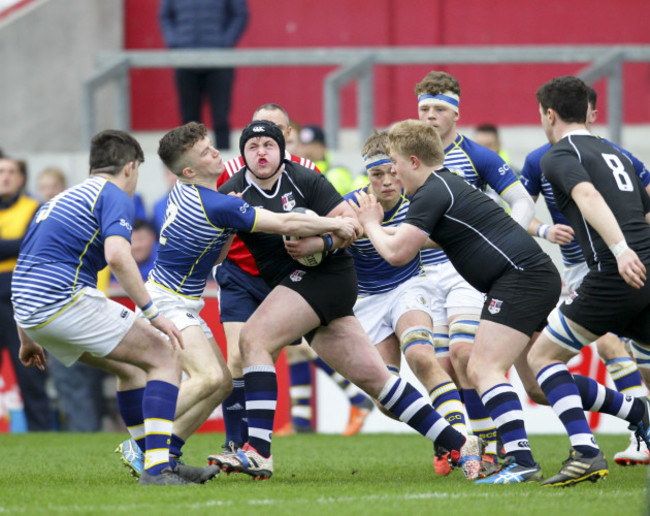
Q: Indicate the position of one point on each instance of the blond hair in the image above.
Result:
(412, 137)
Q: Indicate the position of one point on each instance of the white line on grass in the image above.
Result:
(329, 500)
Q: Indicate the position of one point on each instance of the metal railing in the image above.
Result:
(358, 64)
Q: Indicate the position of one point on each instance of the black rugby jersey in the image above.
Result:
(481, 240)
(296, 187)
(581, 157)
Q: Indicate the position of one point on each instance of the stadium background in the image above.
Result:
(42, 41)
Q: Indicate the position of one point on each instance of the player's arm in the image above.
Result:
(397, 248)
(598, 214)
(302, 225)
(30, 354)
(555, 233)
(117, 251)
(522, 206)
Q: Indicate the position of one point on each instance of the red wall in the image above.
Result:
(502, 94)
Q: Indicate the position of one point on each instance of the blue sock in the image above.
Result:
(598, 398)
(158, 408)
(129, 404)
(406, 403)
(480, 420)
(176, 443)
(445, 399)
(234, 413)
(563, 395)
(626, 376)
(504, 406)
(261, 401)
(300, 393)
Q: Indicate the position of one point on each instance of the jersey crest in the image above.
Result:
(288, 201)
(297, 275)
(495, 306)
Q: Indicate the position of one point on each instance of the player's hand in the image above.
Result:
(31, 354)
(169, 328)
(304, 247)
(631, 268)
(349, 230)
(368, 210)
(236, 194)
(560, 234)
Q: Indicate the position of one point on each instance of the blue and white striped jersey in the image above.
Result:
(536, 183)
(64, 248)
(481, 167)
(374, 274)
(197, 224)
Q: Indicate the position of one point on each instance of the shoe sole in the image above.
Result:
(594, 477)
(229, 468)
(632, 462)
(134, 472)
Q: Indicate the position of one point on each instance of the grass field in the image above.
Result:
(315, 474)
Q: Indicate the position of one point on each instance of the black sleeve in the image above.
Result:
(563, 169)
(428, 206)
(319, 193)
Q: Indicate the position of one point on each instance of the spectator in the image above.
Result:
(144, 246)
(312, 141)
(16, 212)
(204, 24)
(51, 181)
(488, 136)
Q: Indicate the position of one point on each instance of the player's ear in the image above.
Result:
(188, 172)
(415, 161)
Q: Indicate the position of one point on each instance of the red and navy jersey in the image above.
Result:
(238, 252)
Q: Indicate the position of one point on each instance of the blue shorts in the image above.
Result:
(240, 293)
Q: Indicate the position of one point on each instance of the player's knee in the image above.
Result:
(609, 347)
(417, 345)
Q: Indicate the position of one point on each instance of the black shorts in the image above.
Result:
(522, 300)
(605, 303)
(330, 289)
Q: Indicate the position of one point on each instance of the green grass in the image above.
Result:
(315, 474)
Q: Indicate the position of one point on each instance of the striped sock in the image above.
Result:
(300, 393)
(445, 398)
(598, 398)
(406, 403)
(354, 394)
(158, 408)
(480, 420)
(234, 413)
(505, 409)
(129, 404)
(563, 395)
(626, 376)
(261, 401)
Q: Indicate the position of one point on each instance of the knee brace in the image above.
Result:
(415, 335)
(559, 331)
(463, 329)
(441, 341)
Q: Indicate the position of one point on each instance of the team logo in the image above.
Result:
(189, 315)
(126, 224)
(124, 314)
(570, 298)
(495, 306)
(288, 201)
(523, 444)
(297, 275)
(258, 129)
(244, 207)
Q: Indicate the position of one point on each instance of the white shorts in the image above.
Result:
(182, 311)
(574, 275)
(379, 313)
(452, 295)
(93, 323)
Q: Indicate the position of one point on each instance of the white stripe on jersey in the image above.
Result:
(41, 289)
(374, 274)
(190, 242)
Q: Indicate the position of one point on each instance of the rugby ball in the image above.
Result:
(313, 259)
